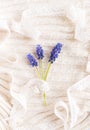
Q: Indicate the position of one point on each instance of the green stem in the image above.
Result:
(47, 71)
(38, 72)
(39, 75)
(45, 99)
(41, 67)
(45, 78)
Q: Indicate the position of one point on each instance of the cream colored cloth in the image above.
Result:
(24, 24)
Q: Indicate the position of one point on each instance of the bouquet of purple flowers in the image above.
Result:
(38, 63)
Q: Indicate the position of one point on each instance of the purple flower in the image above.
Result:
(40, 52)
(55, 52)
(32, 60)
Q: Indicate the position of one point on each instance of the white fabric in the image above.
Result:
(78, 102)
(4, 30)
(88, 64)
(22, 26)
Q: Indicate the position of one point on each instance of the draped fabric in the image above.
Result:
(23, 25)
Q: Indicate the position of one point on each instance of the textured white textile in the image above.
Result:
(24, 24)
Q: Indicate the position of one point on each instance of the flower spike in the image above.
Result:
(55, 52)
(32, 60)
(40, 52)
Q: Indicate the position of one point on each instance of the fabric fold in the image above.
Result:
(4, 30)
(78, 105)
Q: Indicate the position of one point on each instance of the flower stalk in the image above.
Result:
(45, 98)
(47, 71)
(42, 77)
